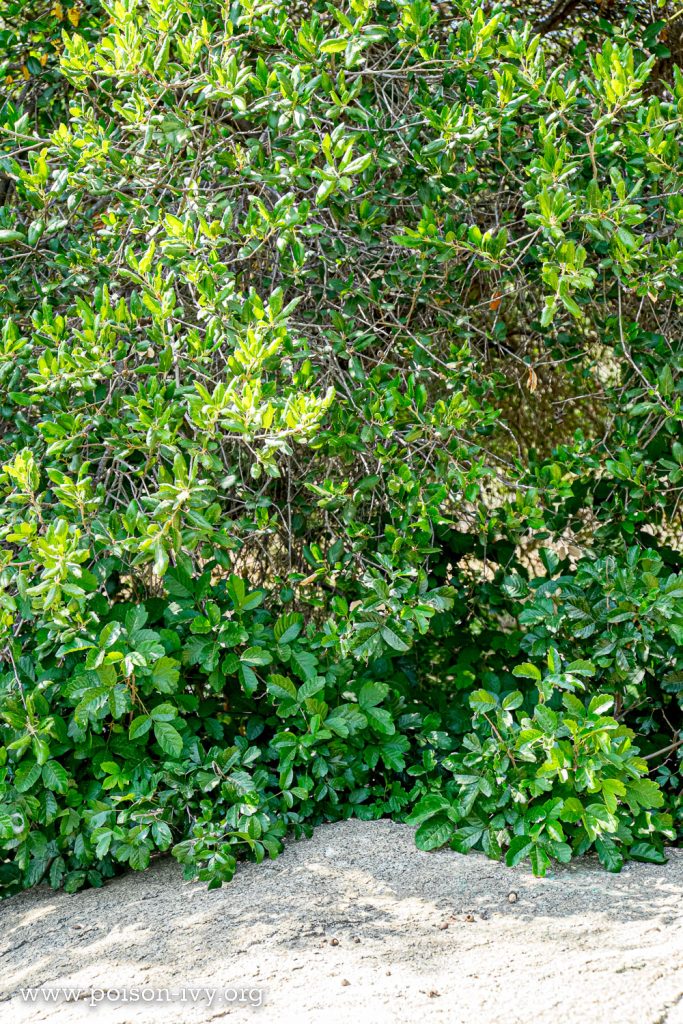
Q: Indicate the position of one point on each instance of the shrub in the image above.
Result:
(341, 439)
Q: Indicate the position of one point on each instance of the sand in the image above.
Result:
(354, 925)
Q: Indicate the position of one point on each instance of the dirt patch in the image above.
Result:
(354, 925)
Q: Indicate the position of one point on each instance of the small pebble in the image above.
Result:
(334, 942)
(356, 938)
(443, 926)
(469, 917)
(345, 982)
(512, 897)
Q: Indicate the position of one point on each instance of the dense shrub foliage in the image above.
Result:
(340, 433)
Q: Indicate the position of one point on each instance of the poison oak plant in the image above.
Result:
(340, 436)
(547, 785)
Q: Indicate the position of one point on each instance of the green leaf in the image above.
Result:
(139, 858)
(481, 702)
(581, 667)
(140, 726)
(162, 835)
(160, 557)
(11, 824)
(325, 188)
(119, 701)
(512, 701)
(310, 688)
(612, 789)
(427, 807)
(372, 694)
(359, 164)
(165, 675)
(164, 713)
(281, 687)
(546, 718)
(394, 640)
(27, 775)
(304, 664)
(434, 832)
(55, 777)
(248, 680)
(540, 861)
(527, 671)
(609, 854)
(9, 237)
(256, 656)
(288, 627)
(648, 853)
(346, 720)
(572, 810)
(110, 634)
(519, 848)
(600, 704)
(643, 793)
(168, 738)
(382, 720)
(333, 45)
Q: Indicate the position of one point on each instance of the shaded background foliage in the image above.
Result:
(341, 450)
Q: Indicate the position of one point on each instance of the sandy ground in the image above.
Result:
(354, 925)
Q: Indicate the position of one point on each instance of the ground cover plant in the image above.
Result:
(341, 460)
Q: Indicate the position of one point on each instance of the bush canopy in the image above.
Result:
(341, 464)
